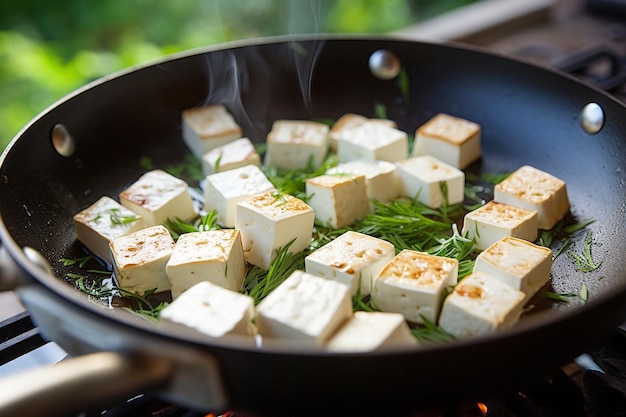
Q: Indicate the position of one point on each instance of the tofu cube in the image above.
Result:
(372, 332)
(450, 139)
(422, 176)
(207, 127)
(373, 141)
(304, 308)
(215, 256)
(517, 262)
(354, 259)
(413, 283)
(223, 190)
(157, 196)
(233, 155)
(344, 126)
(296, 144)
(494, 221)
(380, 178)
(270, 221)
(139, 259)
(106, 219)
(338, 200)
(533, 189)
(480, 305)
(213, 310)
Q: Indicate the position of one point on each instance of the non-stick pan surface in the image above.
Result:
(528, 115)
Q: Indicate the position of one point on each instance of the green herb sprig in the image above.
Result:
(582, 295)
(259, 283)
(205, 223)
(293, 181)
(584, 262)
(430, 333)
(406, 224)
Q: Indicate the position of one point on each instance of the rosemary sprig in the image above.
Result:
(406, 225)
(73, 261)
(584, 262)
(189, 170)
(431, 333)
(293, 181)
(582, 295)
(205, 223)
(363, 303)
(259, 283)
(142, 304)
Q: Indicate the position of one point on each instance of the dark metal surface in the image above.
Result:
(529, 116)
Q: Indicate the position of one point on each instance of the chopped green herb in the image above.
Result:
(205, 223)
(409, 225)
(582, 295)
(258, 282)
(584, 262)
(117, 219)
(73, 261)
(293, 182)
(190, 170)
(431, 333)
(146, 163)
(380, 110)
(217, 163)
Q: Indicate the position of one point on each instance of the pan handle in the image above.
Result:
(142, 362)
(67, 389)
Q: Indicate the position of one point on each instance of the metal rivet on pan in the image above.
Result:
(592, 118)
(62, 141)
(37, 258)
(384, 64)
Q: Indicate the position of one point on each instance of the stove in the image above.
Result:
(586, 38)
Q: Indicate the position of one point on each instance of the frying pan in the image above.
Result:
(529, 115)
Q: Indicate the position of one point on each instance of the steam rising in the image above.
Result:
(235, 76)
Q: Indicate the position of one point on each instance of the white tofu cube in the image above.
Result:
(517, 262)
(207, 127)
(353, 258)
(380, 178)
(422, 176)
(139, 259)
(450, 139)
(373, 141)
(157, 196)
(304, 308)
(233, 155)
(479, 305)
(212, 310)
(371, 332)
(296, 144)
(338, 200)
(223, 190)
(533, 189)
(270, 221)
(412, 284)
(345, 125)
(494, 221)
(215, 256)
(106, 219)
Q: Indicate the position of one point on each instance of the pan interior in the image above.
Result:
(528, 116)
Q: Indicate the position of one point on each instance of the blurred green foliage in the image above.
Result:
(49, 48)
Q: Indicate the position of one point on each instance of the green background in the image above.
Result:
(49, 48)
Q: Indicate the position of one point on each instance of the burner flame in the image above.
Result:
(482, 407)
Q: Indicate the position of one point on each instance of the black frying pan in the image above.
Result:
(529, 115)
